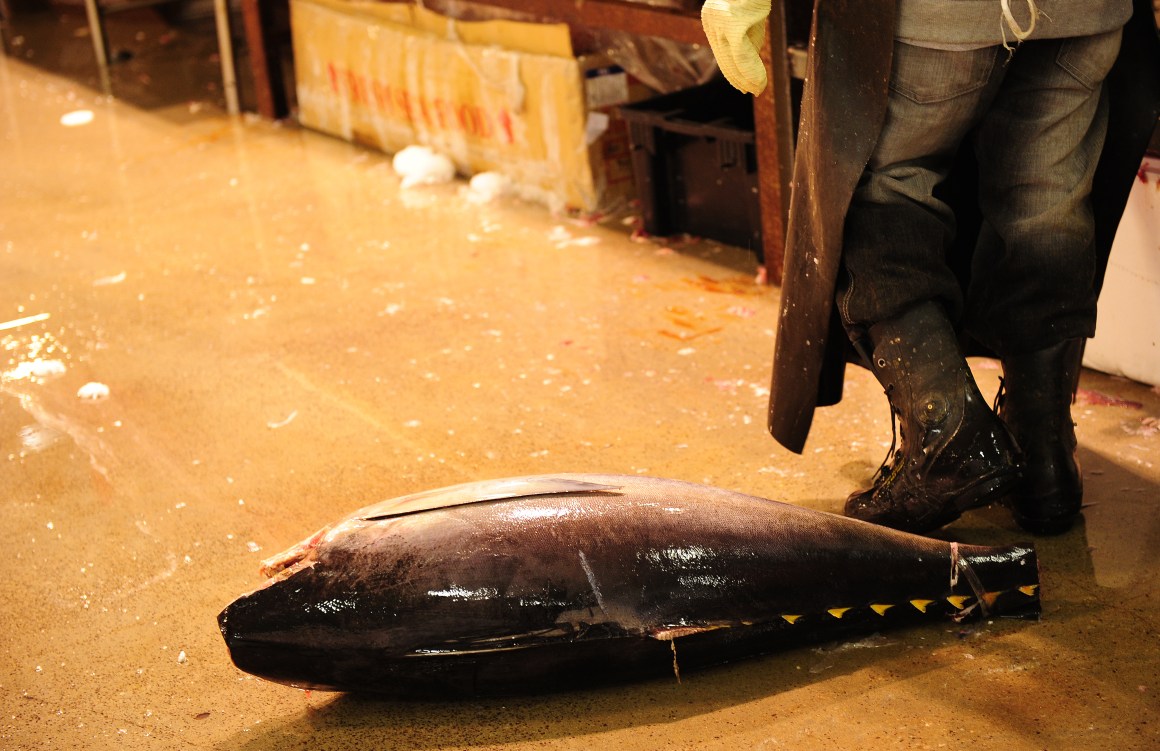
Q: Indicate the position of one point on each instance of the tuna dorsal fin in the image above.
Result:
(488, 490)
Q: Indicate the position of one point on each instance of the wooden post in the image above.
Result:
(265, 62)
(773, 118)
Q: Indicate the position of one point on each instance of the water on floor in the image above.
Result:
(219, 334)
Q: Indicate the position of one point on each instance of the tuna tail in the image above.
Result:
(1000, 581)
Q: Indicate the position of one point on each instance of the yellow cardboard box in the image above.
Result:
(492, 95)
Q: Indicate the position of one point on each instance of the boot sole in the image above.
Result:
(982, 493)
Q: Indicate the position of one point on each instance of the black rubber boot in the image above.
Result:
(954, 454)
(1035, 402)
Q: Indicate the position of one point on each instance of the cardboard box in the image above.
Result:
(492, 95)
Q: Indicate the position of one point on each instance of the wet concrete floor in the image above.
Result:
(235, 332)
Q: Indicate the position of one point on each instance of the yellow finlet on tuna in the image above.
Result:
(921, 604)
(1029, 590)
(837, 612)
(791, 618)
(958, 601)
(880, 608)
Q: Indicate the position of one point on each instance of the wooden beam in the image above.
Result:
(773, 121)
(635, 18)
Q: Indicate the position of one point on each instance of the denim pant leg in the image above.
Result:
(897, 233)
(1037, 147)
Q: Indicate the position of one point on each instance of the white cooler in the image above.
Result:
(1127, 340)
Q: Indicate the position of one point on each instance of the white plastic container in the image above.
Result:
(1127, 340)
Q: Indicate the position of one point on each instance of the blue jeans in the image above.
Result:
(1036, 121)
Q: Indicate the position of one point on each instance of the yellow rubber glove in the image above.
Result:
(736, 31)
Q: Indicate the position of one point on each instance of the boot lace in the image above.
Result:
(891, 465)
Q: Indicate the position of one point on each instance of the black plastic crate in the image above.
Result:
(695, 163)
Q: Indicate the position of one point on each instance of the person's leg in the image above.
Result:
(897, 297)
(1035, 403)
(954, 453)
(897, 232)
(1037, 148)
(1032, 297)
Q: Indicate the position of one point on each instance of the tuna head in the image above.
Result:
(333, 601)
(388, 594)
(393, 579)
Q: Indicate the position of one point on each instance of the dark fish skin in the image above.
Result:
(553, 582)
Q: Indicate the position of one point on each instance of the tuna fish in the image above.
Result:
(551, 582)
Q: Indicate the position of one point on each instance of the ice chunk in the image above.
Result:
(76, 117)
(93, 392)
(421, 165)
(486, 187)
